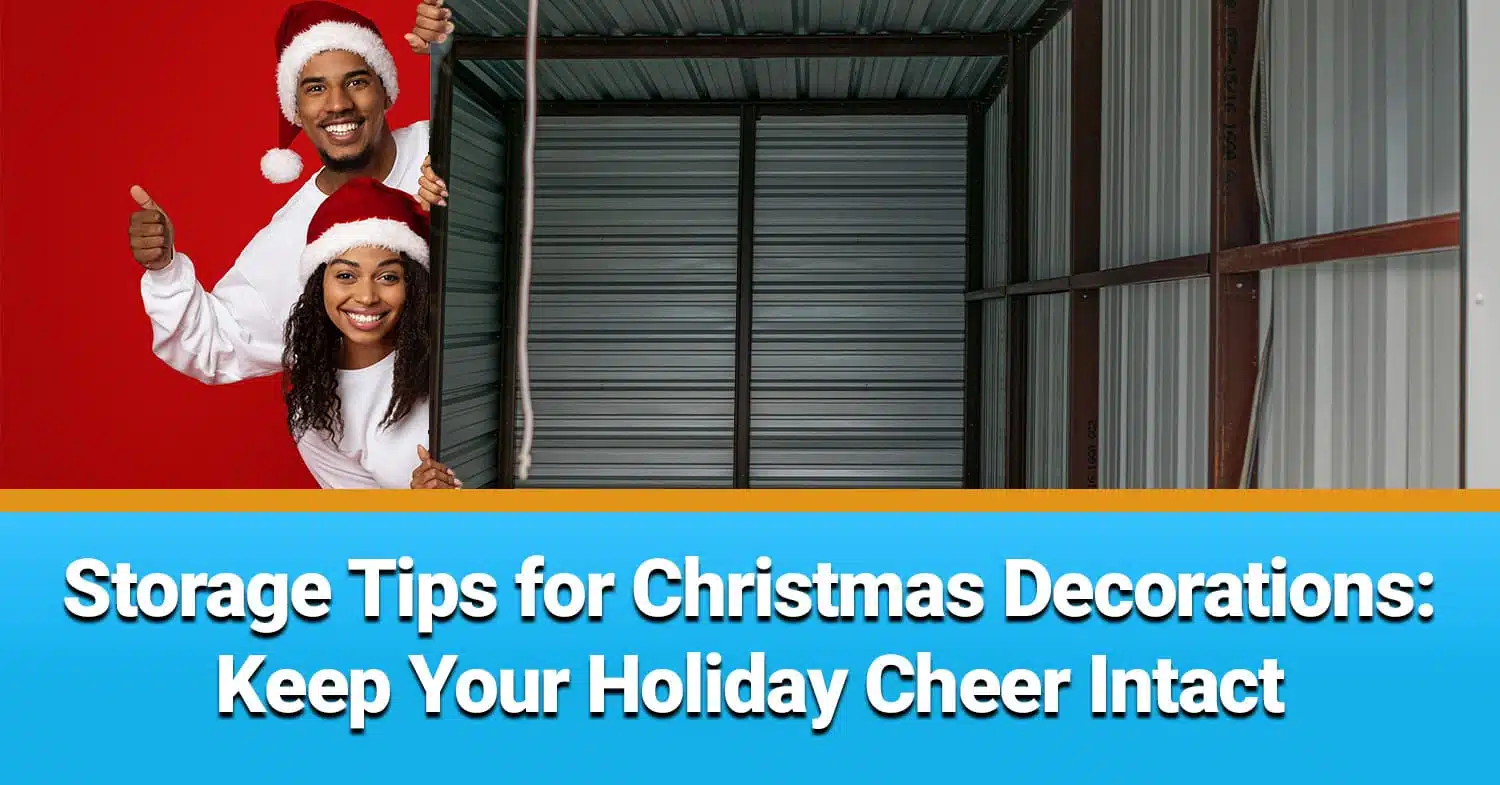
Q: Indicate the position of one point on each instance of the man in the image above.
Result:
(335, 80)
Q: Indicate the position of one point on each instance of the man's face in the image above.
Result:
(341, 104)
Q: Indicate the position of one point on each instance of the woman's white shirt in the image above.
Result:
(367, 455)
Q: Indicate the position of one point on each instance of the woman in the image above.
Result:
(356, 360)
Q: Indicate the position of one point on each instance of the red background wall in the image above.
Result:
(178, 97)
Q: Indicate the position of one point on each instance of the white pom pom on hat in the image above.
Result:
(281, 165)
(307, 30)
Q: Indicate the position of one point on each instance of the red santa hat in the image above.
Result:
(308, 30)
(365, 213)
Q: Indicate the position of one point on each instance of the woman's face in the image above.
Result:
(364, 291)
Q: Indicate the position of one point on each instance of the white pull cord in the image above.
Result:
(523, 469)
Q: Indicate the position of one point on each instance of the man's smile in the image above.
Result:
(343, 130)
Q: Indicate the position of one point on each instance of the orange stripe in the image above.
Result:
(748, 501)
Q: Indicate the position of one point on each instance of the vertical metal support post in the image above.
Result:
(1018, 250)
(1083, 311)
(514, 186)
(442, 130)
(744, 297)
(974, 309)
(1234, 309)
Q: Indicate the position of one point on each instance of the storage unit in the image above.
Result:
(997, 243)
(857, 376)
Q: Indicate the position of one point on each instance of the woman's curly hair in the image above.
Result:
(311, 358)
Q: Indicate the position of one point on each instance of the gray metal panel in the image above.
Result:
(1047, 404)
(1364, 113)
(843, 78)
(735, 17)
(1050, 142)
(633, 302)
(1364, 379)
(992, 391)
(996, 215)
(1481, 239)
(1155, 205)
(996, 190)
(859, 309)
(472, 314)
(1153, 392)
(1363, 129)
(1156, 138)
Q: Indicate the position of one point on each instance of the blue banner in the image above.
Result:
(901, 647)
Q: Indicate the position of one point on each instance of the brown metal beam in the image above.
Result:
(1083, 312)
(1178, 269)
(1017, 390)
(1044, 286)
(1234, 313)
(510, 287)
(1018, 252)
(987, 293)
(911, 106)
(874, 106)
(734, 47)
(1421, 235)
(1083, 388)
(744, 298)
(973, 439)
(1416, 236)
(640, 108)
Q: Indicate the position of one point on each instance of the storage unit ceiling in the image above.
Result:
(777, 79)
(744, 17)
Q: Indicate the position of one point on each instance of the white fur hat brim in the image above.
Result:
(394, 236)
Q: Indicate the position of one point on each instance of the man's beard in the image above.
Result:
(355, 163)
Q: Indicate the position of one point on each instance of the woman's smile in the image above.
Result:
(365, 318)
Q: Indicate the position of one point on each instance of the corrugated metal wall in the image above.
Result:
(1154, 170)
(996, 223)
(992, 391)
(1364, 109)
(859, 310)
(1153, 396)
(469, 429)
(1363, 129)
(1363, 387)
(996, 191)
(1047, 415)
(1155, 200)
(633, 301)
(1047, 320)
(1050, 143)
